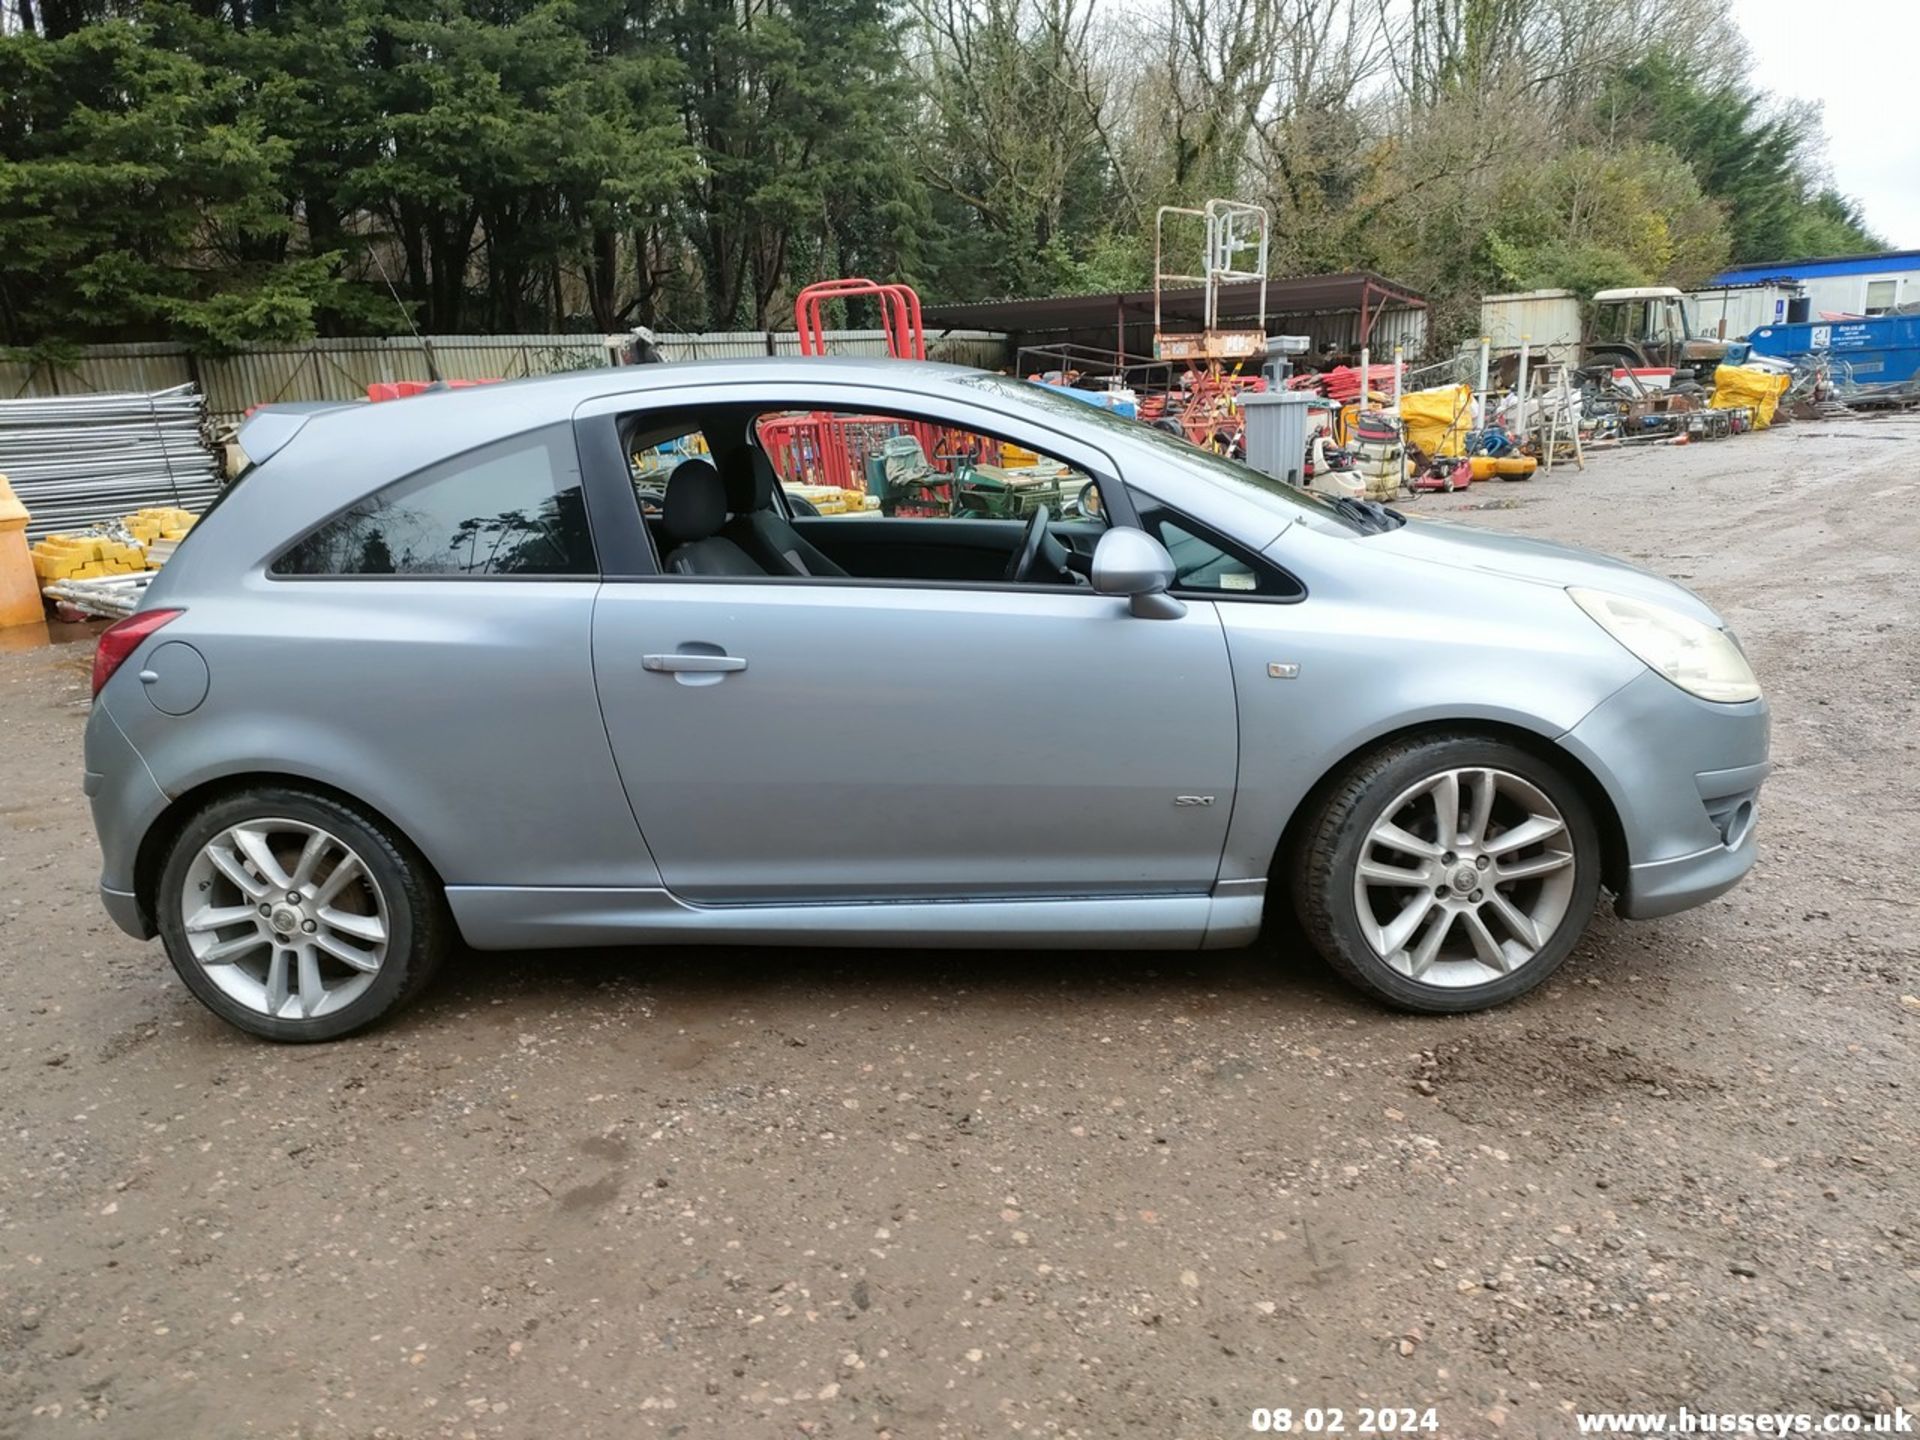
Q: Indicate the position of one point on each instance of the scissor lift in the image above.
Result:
(1237, 234)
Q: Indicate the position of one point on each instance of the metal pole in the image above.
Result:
(1480, 394)
(1521, 427)
(1398, 362)
(1364, 367)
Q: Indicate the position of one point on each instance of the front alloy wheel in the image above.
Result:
(1463, 876)
(1448, 873)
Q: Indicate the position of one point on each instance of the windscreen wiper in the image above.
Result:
(1371, 514)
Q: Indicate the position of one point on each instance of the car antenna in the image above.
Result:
(426, 345)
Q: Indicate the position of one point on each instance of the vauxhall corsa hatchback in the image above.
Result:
(593, 660)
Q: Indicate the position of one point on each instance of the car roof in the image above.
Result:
(481, 413)
(320, 457)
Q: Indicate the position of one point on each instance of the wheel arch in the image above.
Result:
(151, 858)
(1606, 817)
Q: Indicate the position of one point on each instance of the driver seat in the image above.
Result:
(758, 528)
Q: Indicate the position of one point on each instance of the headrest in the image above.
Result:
(696, 502)
(750, 479)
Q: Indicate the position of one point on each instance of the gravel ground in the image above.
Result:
(779, 1193)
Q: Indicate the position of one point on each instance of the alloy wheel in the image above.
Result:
(285, 918)
(1464, 877)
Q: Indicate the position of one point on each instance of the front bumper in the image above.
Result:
(1665, 887)
(1684, 776)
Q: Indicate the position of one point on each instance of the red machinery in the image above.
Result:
(1206, 406)
(899, 315)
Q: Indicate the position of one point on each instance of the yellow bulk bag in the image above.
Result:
(1439, 420)
(1738, 386)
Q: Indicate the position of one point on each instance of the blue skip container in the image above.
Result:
(1881, 354)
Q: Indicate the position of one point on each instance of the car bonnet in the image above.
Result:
(1539, 562)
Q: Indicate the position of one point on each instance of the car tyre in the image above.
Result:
(1525, 927)
(367, 881)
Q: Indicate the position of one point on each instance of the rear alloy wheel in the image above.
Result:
(1449, 874)
(295, 918)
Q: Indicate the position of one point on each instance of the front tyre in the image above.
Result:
(296, 917)
(1448, 873)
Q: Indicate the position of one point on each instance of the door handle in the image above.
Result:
(693, 664)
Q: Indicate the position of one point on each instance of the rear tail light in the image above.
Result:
(122, 638)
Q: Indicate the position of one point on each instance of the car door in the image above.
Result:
(816, 739)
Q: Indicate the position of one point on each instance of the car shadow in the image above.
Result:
(689, 977)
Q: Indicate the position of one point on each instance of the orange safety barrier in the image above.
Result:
(401, 389)
(899, 315)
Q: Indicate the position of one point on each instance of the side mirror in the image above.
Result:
(1088, 505)
(1133, 564)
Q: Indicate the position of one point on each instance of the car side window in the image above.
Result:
(844, 462)
(514, 508)
(1203, 561)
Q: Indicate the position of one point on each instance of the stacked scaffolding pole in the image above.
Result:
(79, 460)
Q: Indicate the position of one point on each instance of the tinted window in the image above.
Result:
(510, 509)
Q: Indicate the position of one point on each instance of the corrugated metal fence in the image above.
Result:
(342, 369)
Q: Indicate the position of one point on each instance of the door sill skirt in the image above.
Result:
(505, 917)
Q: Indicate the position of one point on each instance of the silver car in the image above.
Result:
(871, 653)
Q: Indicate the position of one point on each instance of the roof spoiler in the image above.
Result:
(269, 429)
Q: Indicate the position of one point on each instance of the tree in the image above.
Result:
(231, 170)
(1015, 146)
(1760, 162)
(796, 109)
(136, 188)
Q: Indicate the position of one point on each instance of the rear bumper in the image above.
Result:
(123, 908)
(126, 800)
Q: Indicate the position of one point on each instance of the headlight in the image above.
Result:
(1699, 659)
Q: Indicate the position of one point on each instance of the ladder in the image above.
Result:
(1563, 427)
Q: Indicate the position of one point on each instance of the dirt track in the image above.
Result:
(770, 1193)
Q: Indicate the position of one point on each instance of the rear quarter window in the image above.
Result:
(514, 508)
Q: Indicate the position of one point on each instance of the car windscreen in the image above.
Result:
(1263, 490)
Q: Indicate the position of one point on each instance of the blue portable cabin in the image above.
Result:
(1838, 284)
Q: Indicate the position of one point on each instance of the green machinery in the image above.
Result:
(908, 484)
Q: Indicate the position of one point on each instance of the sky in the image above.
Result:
(1850, 57)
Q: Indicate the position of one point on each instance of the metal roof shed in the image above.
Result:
(1347, 310)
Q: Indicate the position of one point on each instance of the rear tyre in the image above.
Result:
(297, 917)
(1447, 873)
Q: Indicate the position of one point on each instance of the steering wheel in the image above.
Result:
(1021, 566)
